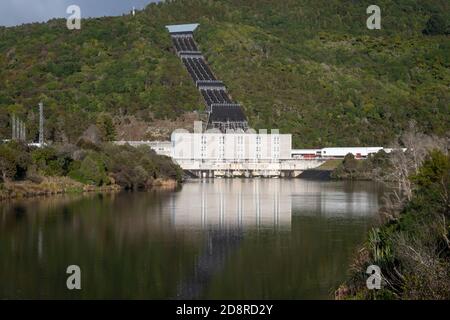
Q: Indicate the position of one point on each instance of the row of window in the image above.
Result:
(240, 140)
(240, 148)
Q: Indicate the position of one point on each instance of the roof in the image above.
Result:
(304, 151)
(182, 28)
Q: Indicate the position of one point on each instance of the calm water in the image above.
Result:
(230, 239)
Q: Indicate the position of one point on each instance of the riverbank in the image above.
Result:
(371, 169)
(50, 186)
(323, 172)
(89, 166)
(412, 247)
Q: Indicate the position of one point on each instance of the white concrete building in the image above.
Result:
(237, 147)
(237, 154)
(336, 153)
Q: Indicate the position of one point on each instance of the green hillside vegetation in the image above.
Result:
(307, 67)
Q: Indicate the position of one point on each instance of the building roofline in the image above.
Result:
(182, 28)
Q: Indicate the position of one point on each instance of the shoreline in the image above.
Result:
(54, 186)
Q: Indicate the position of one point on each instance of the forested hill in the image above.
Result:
(308, 67)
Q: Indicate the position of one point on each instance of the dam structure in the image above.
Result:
(226, 146)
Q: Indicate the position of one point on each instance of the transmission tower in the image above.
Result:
(13, 126)
(18, 129)
(41, 124)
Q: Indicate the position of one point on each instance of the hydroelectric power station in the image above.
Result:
(225, 146)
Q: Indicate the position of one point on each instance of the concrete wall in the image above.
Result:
(231, 146)
(337, 152)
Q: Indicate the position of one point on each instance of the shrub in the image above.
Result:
(51, 162)
(413, 251)
(14, 161)
(106, 127)
(135, 168)
(91, 170)
(438, 24)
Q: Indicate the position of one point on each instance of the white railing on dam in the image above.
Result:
(209, 168)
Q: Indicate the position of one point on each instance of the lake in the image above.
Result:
(211, 239)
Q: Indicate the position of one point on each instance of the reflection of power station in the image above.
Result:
(226, 209)
(266, 203)
(333, 200)
(233, 205)
(218, 246)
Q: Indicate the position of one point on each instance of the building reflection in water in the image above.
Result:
(266, 203)
(198, 233)
(231, 204)
(226, 209)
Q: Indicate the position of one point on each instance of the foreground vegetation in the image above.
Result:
(86, 166)
(308, 67)
(412, 245)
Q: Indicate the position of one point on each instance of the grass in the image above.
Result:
(49, 186)
(329, 165)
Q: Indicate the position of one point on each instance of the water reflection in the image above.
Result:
(262, 203)
(218, 247)
(228, 204)
(224, 209)
(230, 239)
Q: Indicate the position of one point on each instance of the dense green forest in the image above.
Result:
(308, 67)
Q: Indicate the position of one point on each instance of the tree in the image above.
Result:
(14, 160)
(438, 24)
(90, 139)
(350, 164)
(51, 162)
(92, 170)
(405, 163)
(106, 127)
(7, 162)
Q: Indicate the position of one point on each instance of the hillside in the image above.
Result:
(308, 67)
